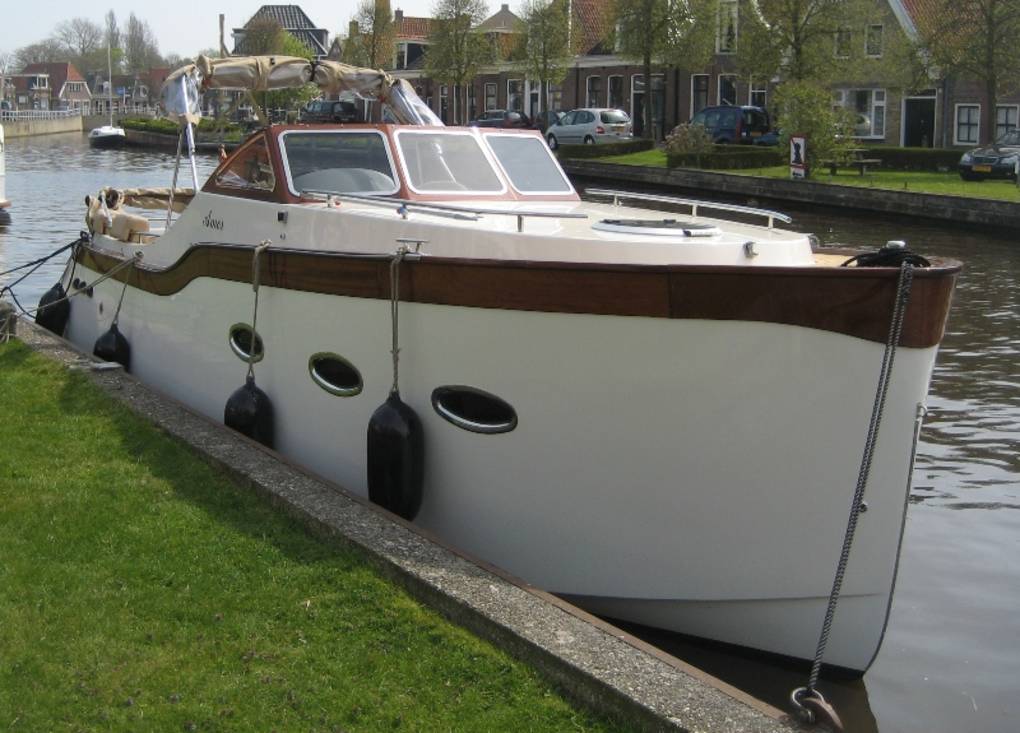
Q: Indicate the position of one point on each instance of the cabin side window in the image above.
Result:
(528, 164)
(446, 162)
(249, 170)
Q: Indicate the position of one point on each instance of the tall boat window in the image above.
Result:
(446, 162)
(249, 170)
(528, 164)
(358, 161)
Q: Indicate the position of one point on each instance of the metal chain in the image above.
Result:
(895, 330)
(398, 257)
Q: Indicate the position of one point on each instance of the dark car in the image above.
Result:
(998, 160)
(501, 118)
(732, 125)
(325, 110)
(544, 120)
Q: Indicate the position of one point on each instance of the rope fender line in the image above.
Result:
(807, 700)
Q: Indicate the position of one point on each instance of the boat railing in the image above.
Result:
(695, 204)
(405, 206)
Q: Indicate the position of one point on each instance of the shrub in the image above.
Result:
(602, 151)
(688, 139)
(728, 157)
(806, 109)
(915, 159)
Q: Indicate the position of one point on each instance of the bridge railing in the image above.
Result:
(38, 114)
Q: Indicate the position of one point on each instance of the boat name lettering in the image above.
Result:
(212, 223)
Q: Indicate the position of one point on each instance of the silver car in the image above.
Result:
(590, 126)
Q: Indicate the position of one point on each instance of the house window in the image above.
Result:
(555, 101)
(443, 103)
(699, 92)
(490, 96)
(472, 102)
(726, 38)
(757, 94)
(868, 107)
(968, 122)
(873, 42)
(616, 92)
(841, 49)
(637, 101)
(1005, 119)
(727, 89)
(594, 94)
(515, 95)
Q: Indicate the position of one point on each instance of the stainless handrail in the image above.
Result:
(457, 212)
(693, 203)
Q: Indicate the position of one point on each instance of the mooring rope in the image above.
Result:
(809, 693)
(256, 281)
(71, 293)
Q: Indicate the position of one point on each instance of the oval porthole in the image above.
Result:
(245, 343)
(335, 374)
(474, 409)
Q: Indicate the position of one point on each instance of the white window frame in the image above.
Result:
(708, 93)
(718, 89)
(508, 108)
(386, 146)
(587, 90)
(474, 133)
(609, 86)
(839, 99)
(763, 90)
(956, 123)
(495, 95)
(835, 43)
(881, 40)
(1007, 127)
(725, 9)
(444, 102)
(492, 154)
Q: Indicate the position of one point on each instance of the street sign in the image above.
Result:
(798, 156)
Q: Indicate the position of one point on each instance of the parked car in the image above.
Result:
(998, 160)
(325, 110)
(590, 126)
(732, 125)
(501, 118)
(544, 120)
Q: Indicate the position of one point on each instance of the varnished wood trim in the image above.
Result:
(853, 301)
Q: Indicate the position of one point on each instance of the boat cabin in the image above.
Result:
(290, 163)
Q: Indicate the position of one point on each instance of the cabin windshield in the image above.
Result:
(528, 163)
(337, 161)
(446, 162)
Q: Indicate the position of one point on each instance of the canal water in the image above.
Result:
(951, 656)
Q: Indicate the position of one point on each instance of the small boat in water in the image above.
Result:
(108, 136)
(659, 416)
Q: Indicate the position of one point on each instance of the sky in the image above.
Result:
(183, 27)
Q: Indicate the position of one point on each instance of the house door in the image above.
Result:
(919, 122)
(533, 96)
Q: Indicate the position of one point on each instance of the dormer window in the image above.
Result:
(873, 41)
(842, 44)
(726, 40)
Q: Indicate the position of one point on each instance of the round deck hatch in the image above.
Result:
(659, 227)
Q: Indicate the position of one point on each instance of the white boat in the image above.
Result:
(108, 136)
(660, 417)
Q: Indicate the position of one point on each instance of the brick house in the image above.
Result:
(56, 85)
(293, 20)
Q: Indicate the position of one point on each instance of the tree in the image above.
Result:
(80, 36)
(41, 52)
(456, 51)
(141, 51)
(266, 37)
(672, 32)
(545, 44)
(373, 44)
(806, 109)
(979, 39)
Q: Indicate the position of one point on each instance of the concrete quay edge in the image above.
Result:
(591, 662)
(938, 207)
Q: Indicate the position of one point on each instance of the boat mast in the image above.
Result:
(109, 83)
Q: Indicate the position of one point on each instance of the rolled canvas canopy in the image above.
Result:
(269, 73)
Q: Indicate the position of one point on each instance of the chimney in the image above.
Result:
(352, 29)
(398, 17)
(504, 8)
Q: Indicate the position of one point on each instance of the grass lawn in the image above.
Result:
(948, 184)
(140, 589)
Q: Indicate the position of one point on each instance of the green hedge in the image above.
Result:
(603, 151)
(728, 157)
(915, 159)
(169, 127)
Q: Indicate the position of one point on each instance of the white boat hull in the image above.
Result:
(671, 472)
